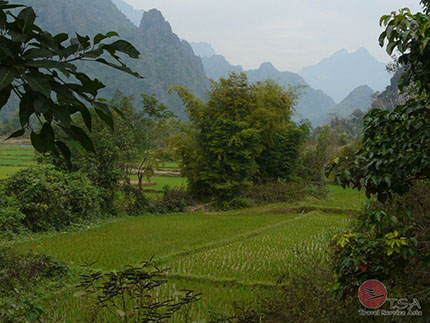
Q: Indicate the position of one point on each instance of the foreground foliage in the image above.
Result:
(38, 68)
(130, 295)
(390, 239)
(21, 279)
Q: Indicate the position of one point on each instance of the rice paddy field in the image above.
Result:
(229, 257)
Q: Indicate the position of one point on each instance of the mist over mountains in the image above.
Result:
(314, 105)
(342, 72)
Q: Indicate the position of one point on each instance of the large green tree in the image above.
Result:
(396, 144)
(238, 136)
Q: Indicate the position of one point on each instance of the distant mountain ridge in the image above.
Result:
(135, 15)
(203, 49)
(359, 99)
(342, 72)
(312, 104)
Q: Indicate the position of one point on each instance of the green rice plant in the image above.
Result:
(266, 256)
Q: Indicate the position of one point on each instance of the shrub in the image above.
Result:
(21, 271)
(281, 192)
(173, 200)
(235, 204)
(21, 275)
(10, 216)
(131, 200)
(389, 242)
(49, 198)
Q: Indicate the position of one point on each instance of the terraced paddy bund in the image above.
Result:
(234, 256)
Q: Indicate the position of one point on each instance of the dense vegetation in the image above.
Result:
(242, 136)
(390, 239)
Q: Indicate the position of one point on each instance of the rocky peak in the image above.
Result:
(154, 22)
(267, 68)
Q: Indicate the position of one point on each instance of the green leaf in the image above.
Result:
(17, 133)
(65, 151)
(3, 19)
(69, 50)
(84, 41)
(382, 39)
(45, 63)
(38, 143)
(47, 40)
(94, 53)
(26, 108)
(6, 77)
(28, 16)
(38, 53)
(62, 37)
(9, 48)
(86, 116)
(91, 86)
(41, 104)
(4, 5)
(104, 113)
(62, 115)
(388, 180)
(39, 83)
(99, 37)
(122, 67)
(390, 47)
(4, 96)
(81, 136)
(123, 47)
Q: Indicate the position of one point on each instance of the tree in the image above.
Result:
(38, 68)
(316, 154)
(151, 132)
(396, 144)
(223, 150)
(389, 241)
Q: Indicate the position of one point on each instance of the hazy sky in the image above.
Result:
(289, 33)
